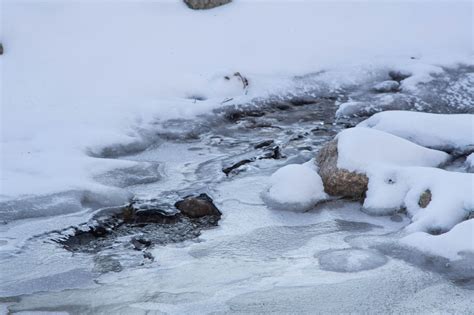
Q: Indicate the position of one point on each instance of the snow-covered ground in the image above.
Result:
(85, 82)
(78, 76)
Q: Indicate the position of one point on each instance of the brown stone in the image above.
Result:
(205, 4)
(196, 207)
(338, 181)
(425, 199)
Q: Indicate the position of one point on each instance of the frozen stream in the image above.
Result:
(332, 259)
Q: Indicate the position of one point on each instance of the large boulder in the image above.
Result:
(338, 181)
(205, 4)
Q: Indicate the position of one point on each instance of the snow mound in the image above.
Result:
(294, 187)
(363, 149)
(449, 245)
(438, 131)
(400, 172)
(394, 188)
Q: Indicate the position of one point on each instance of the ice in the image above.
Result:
(351, 260)
(459, 241)
(295, 187)
(92, 89)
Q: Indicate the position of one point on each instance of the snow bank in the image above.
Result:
(295, 187)
(438, 131)
(87, 74)
(451, 202)
(400, 172)
(449, 245)
(364, 150)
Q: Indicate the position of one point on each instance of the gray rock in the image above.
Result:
(387, 86)
(399, 75)
(337, 181)
(425, 199)
(205, 4)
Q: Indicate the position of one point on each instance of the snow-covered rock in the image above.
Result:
(345, 162)
(295, 187)
(449, 245)
(438, 131)
(363, 150)
(399, 75)
(393, 188)
(386, 86)
(338, 181)
(400, 175)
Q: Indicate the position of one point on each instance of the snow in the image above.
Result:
(387, 86)
(295, 187)
(452, 198)
(460, 240)
(470, 163)
(80, 84)
(364, 149)
(438, 131)
(400, 171)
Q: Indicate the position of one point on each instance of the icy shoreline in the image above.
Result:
(151, 100)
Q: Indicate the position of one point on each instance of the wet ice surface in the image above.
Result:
(333, 258)
(351, 260)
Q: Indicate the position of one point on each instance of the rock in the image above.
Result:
(262, 144)
(1, 49)
(228, 170)
(196, 207)
(274, 153)
(149, 211)
(398, 75)
(336, 181)
(148, 256)
(282, 106)
(98, 231)
(205, 4)
(387, 86)
(425, 199)
(140, 243)
(303, 100)
(240, 113)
